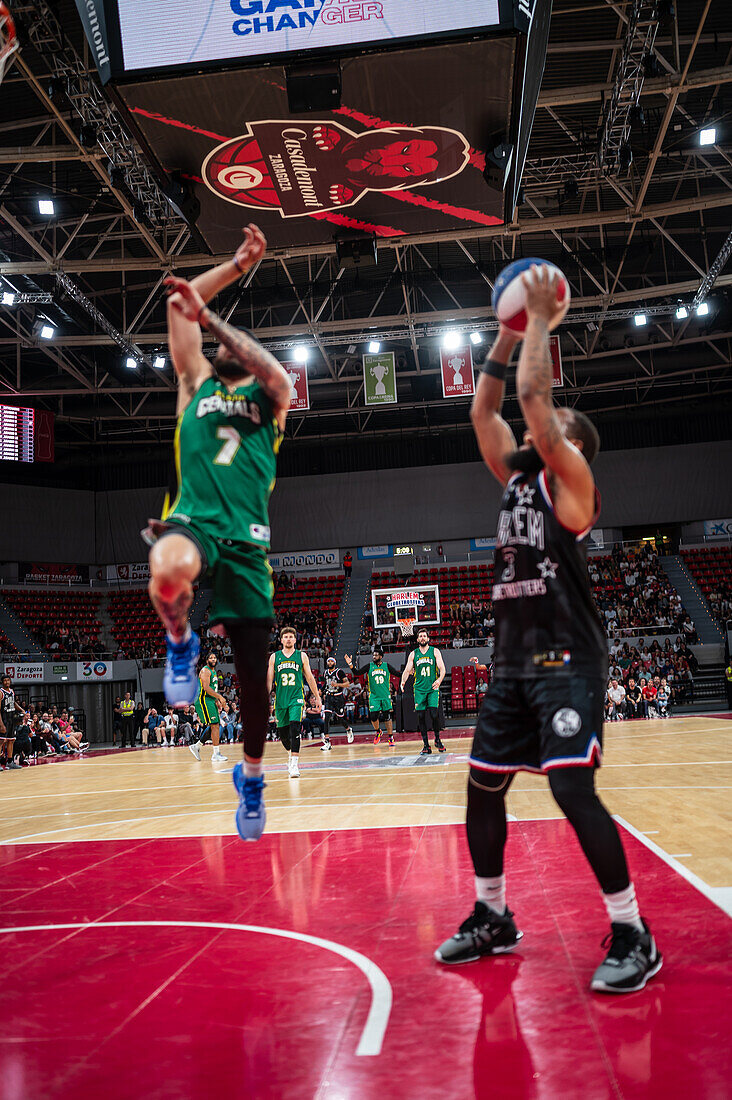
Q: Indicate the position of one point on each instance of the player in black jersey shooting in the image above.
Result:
(544, 710)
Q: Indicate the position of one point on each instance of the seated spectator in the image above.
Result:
(615, 710)
(663, 698)
(634, 707)
(313, 721)
(648, 688)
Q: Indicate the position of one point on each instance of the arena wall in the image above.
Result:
(655, 486)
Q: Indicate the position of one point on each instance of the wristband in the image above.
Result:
(198, 319)
(237, 265)
(495, 369)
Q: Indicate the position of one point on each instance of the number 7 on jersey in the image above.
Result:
(232, 443)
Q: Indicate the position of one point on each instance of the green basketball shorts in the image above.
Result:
(285, 715)
(380, 704)
(241, 575)
(207, 710)
(427, 701)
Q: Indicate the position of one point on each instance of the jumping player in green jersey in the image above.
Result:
(381, 707)
(231, 418)
(429, 671)
(287, 668)
(208, 702)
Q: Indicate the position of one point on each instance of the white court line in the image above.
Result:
(719, 896)
(367, 772)
(372, 1036)
(226, 809)
(681, 855)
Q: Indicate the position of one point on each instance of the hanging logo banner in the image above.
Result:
(556, 354)
(458, 379)
(379, 379)
(92, 16)
(298, 373)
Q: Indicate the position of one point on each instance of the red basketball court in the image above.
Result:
(302, 966)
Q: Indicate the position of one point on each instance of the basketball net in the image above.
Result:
(8, 39)
(406, 626)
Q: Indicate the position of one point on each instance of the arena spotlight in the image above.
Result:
(47, 332)
(682, 313)
(8, 298)
(702, 310)
(476, 338)
(374, 347)
(301, 353)
(46, 206)
(708, 137)
(159, 362)
(130, 363)
(452, 340)
(640, 320)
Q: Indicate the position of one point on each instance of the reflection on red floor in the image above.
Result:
(189, 1012)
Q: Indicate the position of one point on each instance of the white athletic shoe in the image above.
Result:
(349, 735)
(294, 769)
(196, 749)
(326, 746)
(218, 757)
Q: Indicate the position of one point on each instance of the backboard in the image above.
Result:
(418, 601)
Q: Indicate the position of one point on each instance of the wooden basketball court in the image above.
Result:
(150, 952)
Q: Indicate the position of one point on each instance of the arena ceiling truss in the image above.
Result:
(617, 190)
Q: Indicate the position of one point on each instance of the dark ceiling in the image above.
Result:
(644, 237)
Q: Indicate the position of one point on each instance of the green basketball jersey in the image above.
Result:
(288, 679)
(226, 448)
(425, 670)
(213, 682)
(379, 685)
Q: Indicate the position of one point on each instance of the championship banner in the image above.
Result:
(20, 673)
(556, 354)
(91, 671)
(379, 379)
(136, 571)
(36, 572)
(458, 379)
(298, 373)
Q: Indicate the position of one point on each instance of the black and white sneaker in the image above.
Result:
(485, 932)
(633, 958)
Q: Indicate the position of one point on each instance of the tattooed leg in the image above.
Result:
(175, 563)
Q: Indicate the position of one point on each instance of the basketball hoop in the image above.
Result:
(8, 38)
(406, 626)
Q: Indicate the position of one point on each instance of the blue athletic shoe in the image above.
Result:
(180, 679)
(251, 815)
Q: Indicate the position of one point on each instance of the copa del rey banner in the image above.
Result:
(556, 354)
(298, 373)
(458, 379)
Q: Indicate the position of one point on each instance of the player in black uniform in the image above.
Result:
(335, 684)
(544, 709)
(11, 716)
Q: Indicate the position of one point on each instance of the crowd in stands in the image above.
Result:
(711, 568)
(41, 732)
(634, 595)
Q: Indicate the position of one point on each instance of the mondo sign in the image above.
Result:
(305, 559)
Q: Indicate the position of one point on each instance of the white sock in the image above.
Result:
(492, 891)
(253, 769)
(183, 638)
(622, 908)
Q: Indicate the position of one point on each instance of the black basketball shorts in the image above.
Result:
(536, 725)
(335, 705)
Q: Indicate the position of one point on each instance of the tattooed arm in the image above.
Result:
(495, 438)
(550, 428)
(184, 334)
(272, 376)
